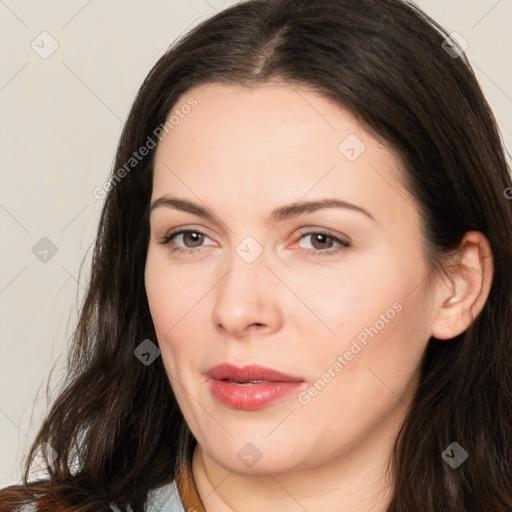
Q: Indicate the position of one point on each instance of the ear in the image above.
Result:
(460, 299)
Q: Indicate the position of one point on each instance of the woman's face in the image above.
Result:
(334, 296)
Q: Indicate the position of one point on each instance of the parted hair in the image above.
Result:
(116, 425)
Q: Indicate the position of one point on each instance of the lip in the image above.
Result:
(250, 396)
(250, 372)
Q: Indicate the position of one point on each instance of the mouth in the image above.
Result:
(251, 387)
(250, 374)
(246, 382)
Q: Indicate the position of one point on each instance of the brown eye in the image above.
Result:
(322, 241)
(324, 244)
(192, 240)
(194, 237)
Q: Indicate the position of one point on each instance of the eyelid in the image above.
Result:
(316, 230)
(302, 231)
(343, 241)
(182, 230)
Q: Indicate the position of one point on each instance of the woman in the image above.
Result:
(219, 363)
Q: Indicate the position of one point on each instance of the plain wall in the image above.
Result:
(61, 116)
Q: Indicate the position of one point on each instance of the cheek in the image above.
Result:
(172, 293)
(378, 317)
(170, 303)
(357, 386)
(374, 359)
(344, 300)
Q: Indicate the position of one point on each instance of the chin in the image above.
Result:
(251, 458)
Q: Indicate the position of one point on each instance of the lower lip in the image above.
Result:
(251, 397)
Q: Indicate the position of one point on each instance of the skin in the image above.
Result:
(241, 153)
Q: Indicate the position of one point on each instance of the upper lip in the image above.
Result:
(250, 372)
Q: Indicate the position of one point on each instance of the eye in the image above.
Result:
(320, 239)
(196, 238)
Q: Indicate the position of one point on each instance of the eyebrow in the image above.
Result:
(277, 215)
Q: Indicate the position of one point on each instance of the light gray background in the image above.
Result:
(61, 117)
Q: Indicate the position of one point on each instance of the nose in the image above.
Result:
(246, 300)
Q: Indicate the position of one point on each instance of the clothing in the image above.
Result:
(181, 495)
(185, 484)
(163, 499)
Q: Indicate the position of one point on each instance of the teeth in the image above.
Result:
(247, 381)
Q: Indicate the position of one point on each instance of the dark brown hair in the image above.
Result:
(384, 61)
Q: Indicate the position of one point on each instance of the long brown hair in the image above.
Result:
(384, 61)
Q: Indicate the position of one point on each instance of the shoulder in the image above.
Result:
(165, 498)
(29, 507)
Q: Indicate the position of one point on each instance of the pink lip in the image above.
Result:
(250, 396)
(250, 372)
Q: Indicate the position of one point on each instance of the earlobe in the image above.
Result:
(461, 298)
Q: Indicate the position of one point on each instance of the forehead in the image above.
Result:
(282, 119)
(270, 144)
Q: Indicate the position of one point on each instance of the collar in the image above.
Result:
(187, 489)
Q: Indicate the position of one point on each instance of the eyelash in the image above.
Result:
(343, 244)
